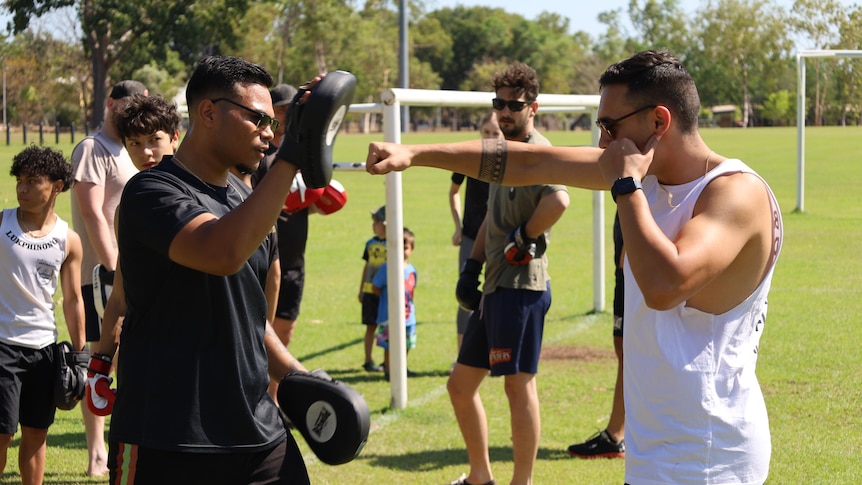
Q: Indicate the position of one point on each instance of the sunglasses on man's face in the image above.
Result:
(514, 105)
(263, 120)
(607, 124)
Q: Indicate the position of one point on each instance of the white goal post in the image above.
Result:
(800, 114)
(392, 101)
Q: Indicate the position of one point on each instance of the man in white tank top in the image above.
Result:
(702, 236)
(38, 251)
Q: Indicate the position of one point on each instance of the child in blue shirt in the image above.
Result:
(379, 285)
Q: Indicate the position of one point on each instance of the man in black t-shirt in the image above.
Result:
(192, 403)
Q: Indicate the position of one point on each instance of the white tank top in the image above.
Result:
(30, 272)
(695, 411)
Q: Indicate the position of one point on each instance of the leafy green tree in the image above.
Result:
(660, 25)
(41, 79)
(818, 22)
(477, 33)
(118, 31)
(778, 107)
(848, 73)
(748, 39)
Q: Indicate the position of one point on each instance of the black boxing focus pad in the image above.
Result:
(332, 416)
(311, 127)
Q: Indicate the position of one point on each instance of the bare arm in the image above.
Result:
(478, 251)
(496, 161)
(716, 260)
(280, 360)
(273, 285)
(112, 321)
(362, 281)
(455, 209)
(70, 280)
(90, 199)
(221, 246)
(549, 210)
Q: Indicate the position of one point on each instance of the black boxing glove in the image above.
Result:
(521, 249)
(311, 126)
(467, 290)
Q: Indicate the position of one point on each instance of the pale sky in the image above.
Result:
(582, 14)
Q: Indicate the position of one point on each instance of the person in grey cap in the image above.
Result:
(100, 168)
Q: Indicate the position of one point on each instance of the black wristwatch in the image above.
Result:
(625, 185)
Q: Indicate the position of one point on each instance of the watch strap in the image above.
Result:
(625, 185)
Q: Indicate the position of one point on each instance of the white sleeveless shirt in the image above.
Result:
(695, 411)
(31, 272)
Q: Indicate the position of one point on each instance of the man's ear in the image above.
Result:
(206, 111)
(663, 119)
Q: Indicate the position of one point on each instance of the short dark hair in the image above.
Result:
(520, 77)
(657, 77)
(34, 161)
(145, 115)
(409, 238)
(217, 76)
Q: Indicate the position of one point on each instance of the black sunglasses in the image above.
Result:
(263, 119)
(514, 105)
(608, 124)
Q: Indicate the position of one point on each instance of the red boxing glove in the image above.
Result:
(520, 248)
(300, 195)
(100, 396)
(333, 199)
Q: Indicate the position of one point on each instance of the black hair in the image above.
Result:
(657, 77)
(217, 76)
(145, 115)
(34, 161)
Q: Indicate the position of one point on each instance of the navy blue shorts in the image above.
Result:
(26, 387)
(507, 337)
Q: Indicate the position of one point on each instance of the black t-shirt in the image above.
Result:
(193, 376)
(475, 204)
(292, 228)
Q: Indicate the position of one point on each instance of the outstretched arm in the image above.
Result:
(495, 161)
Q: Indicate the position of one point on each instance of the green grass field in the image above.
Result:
(809, 358)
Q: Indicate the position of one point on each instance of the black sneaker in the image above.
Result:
(462, 480)
(370, 366)
(600, 445)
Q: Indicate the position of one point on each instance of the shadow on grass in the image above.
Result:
(69, 440)
(330, 350)
(433, 460)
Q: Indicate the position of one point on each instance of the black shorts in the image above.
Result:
(370, 302)
(26, 387)
(281, 464)
(93, 322)
(290, 293)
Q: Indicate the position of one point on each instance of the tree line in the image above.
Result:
(740, 52)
